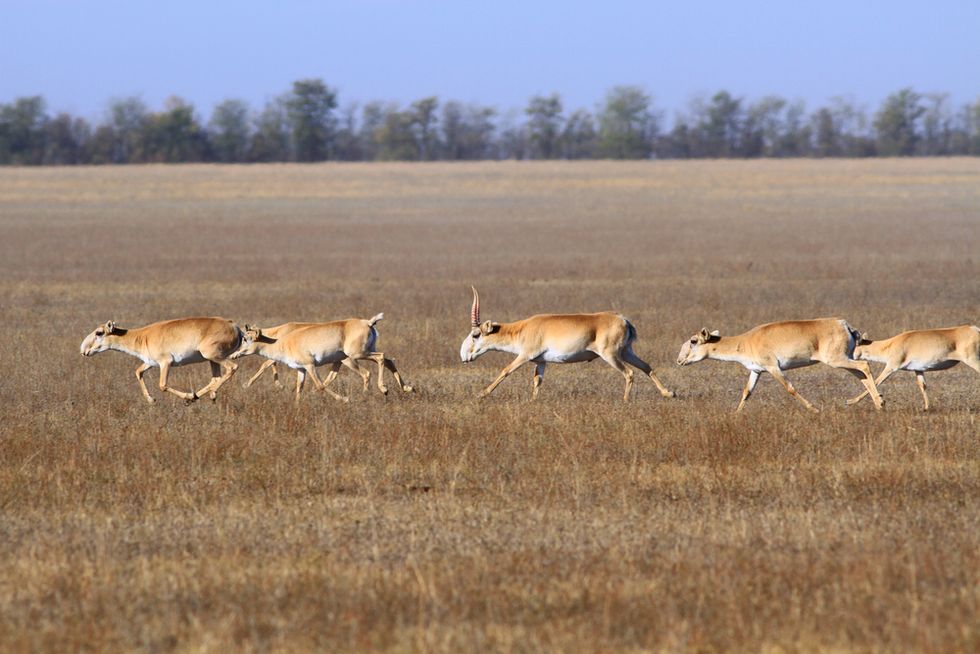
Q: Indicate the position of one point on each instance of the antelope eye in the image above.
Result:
(694, 341)
(99, 332)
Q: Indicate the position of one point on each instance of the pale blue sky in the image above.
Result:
(80, 54)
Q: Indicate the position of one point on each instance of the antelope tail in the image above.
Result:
(378, 317)
(630, 332)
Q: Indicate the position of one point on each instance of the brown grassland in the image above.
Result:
(435, 521)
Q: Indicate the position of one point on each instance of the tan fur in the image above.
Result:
(922, 350)
(173, 343)
(281, 330)
(541, 338)
(306, 347)
(778, 346)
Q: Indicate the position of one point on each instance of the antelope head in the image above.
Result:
(862, 351)
(251, 337)
(476, 342)
(694, 349)
(96, 341)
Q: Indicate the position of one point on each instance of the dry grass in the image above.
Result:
(435, 521)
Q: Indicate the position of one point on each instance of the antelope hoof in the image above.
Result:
(669, 394)
(150, 399)
(407, 389)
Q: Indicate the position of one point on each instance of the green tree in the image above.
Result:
(720, 126)
(467, 131)
(424, 120)
(174, 135)
(827, 136)
(347, 142)
(310, 110)
(229, 131)
(897, 123)
(578, 138)
(797, 133)
(127, 120)
(22, 131)
(627, 125)
(67, 140)
(761, 127)
(372, 120)
(395, 137)
(270, 141)
(937, 125)
(544, 126)
(851, 123)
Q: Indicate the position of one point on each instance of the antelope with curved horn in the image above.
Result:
(305, 348)
(281, 330)
(557, 338)
(779, 346)
(920, 351)
(173, 343)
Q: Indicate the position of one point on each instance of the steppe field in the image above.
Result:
(436, 521)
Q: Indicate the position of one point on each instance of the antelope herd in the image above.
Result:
(538, 340)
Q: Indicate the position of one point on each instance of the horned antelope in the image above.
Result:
(172, 343)
(920, 351)
(557, 338)
(305, 348)
(281, 330)
(779, 346)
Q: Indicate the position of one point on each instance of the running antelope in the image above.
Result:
(920, 351)
(557, 338)
(305, 348)
(173, 343)
(779, 346)
(280, 331)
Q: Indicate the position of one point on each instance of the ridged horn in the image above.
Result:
(475, 311)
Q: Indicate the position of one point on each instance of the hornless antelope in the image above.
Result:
(305, 348)
(281, 330)
(922, 350)
(779, 346)
(557, 338)
(173, 343)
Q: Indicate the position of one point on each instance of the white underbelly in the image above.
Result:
(551, 356)
(184, 358)
(322, 358)
(924, 366)
(790, 364)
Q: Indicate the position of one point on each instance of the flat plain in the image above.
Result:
(435, 521)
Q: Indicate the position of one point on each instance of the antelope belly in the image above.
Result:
(551, 356)
(328, 357)
(183, 358)
(923, 366)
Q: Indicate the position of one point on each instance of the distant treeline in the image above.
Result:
(305, 124)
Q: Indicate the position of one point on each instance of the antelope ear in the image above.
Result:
(703, 335)
(110, 326)
(865, 339)
(716, 334)
(489, 327)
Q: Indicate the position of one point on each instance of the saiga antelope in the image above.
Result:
(557, 338)
(305, 348)
(920, 351)
(779, 346)
(173, 343)
(281, 330)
